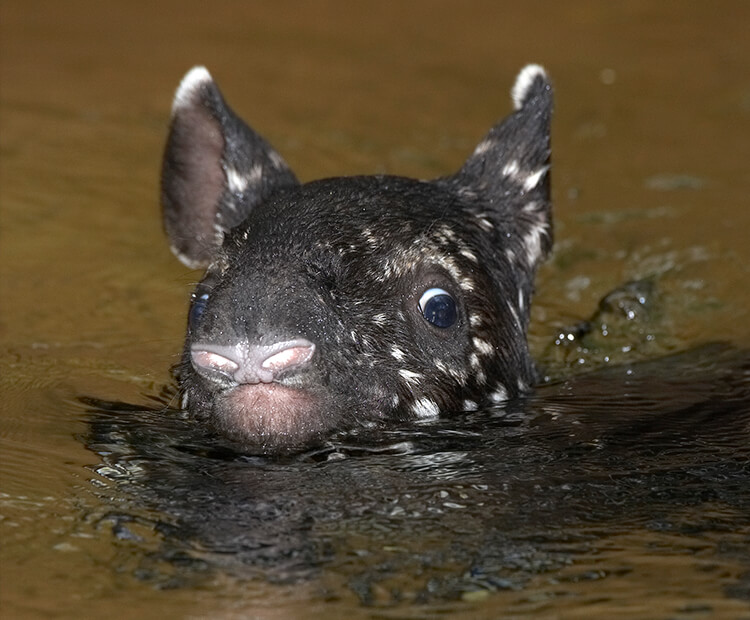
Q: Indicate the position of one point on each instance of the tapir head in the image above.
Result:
(351, 301)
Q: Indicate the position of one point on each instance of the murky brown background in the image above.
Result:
(650, 177)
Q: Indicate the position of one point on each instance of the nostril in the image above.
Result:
(289, 358)
(243, 362)
(213, 361)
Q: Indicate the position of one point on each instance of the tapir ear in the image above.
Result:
(509, 169)
(215, 170)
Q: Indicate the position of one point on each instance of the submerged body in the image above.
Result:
(351, 301)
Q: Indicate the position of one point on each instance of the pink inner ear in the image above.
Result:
(192, 184)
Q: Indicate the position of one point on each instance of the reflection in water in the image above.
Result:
(451, 509)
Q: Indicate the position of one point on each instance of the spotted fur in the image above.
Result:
(327, 276)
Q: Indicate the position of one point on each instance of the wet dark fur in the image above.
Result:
(342, 263)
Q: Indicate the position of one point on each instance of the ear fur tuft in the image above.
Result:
(193, 80)
(530, 78)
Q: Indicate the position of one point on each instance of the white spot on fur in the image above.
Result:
(511, 256)
(521, 301)
(450, 266)
(523, 83)
(468, 254)
(425, 408)
(397, 264)
(380, 319)
(483, 347)
(447, 232)
(483, 147)
(470, 405)
(395, 401)
(533, 179)
(511, 169)
(370, 238)
(485, 224)
(475, 320)
(466, 284)
(500, 395)
(532, 242)
(467, 192)
(522, 385)
(411, 378)
(397, 353)
(193, 80)
(255, 175)
(481, 377)
(461, 376)
(440, 365)
(277, 160)
(474, 360)
(236, 181)
(185, 400)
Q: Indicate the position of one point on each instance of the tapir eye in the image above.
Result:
(438, 307)
(197, 308)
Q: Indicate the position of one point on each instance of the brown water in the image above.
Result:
(650, 179)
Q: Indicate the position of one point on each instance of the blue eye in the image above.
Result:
(438, 307)
(197, 309)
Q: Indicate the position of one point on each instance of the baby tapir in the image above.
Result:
(352, 301)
